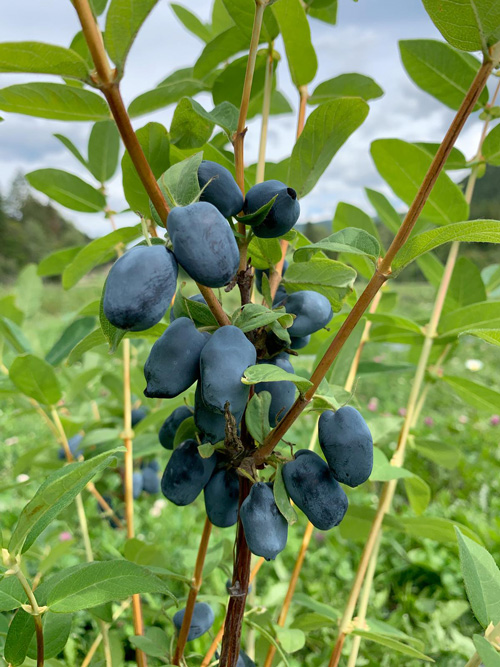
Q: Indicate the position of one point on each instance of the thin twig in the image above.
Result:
(35, 612)
(193, 593)
(97, 641)
(384, 268)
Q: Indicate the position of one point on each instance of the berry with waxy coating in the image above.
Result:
(173, 363)
(150, 481)
(243, 659)
(137, 484)
(222, 191)
(199, 298)
(211, 423)
(201, 622)
(171, 424)
(137, 415)
(204, 243)
(74, 447)
(347, 444)
(186, 474)
(140, 287)
(313, 488)
(282, 393)
(223, 361)
(312, 312)
(266, 529)
(101, 510)
(299, 343)
(221, 498)
(283, 214)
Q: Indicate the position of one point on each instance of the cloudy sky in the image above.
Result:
(364, 40)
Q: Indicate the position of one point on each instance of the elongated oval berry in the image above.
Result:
(282, 393)
(74, 447)
(171, 424)
(312, 487)
(204, 243)
(266, 529)
(186, 474)
(137, 415)
(199, 298)
(140, 287)
(347, 444)
(221, 498)
(201, 622)
(223, 361)
(283, 214)
(211, 424)
(312, 311)
(298, 343)
(243, 659)
(137, 484)
(173, 363)
(222, 191)
(150, 481)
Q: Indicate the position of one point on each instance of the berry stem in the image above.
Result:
(383, 270)
(35, 612)
(107, 83)
(413, 408)
(193, 593)
(236, 608)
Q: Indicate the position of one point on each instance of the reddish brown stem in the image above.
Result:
(384, 269)
(193, 593)
(236, 608)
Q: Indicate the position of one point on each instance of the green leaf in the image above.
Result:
(269, 638)
(56, 629)
(72, 148)
(228, 86)
(491, 147)
(93, 339)
(253, 315)
(291, 639)
(346, 85)
(476, 395)
(270, 373)
(97, 252)
(441, 70)
(179, 183)
(68, 190)
(254, 219)
(489, 655)
(104, 144)
(178, 85)
(14, 335)
(96, 583)
(154, 141)
(438, 451)
(475, 316)
(55, 101)
(418, 492)
(38, 58)
(383, 471)
(257, 416)
(491, 336)
(72, 335)
(466, 286)
(327, 128)
(198, 312)
(29, 289)
(112, 334)
(469, 25)
(264, 252)
(219, 49)
(189, 129)
(283, 502)
(296, 33)
(456, 159)
(349, 240)
(154, 643)
(243, 11)
(123, 21)
(55, 263)
(12, 594)
(191, 22)
(57, 492)
(404, 166)
(473, 231)
(326, 276)
(327, 13)
(35, 378)
(393, 644)
(9, 309)
(481, 578)
(186, 431)
(434, 528)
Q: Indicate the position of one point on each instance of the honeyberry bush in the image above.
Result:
(221, 378)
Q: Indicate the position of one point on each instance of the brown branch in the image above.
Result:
(193, 593)
(236, 608)
(384, 269)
